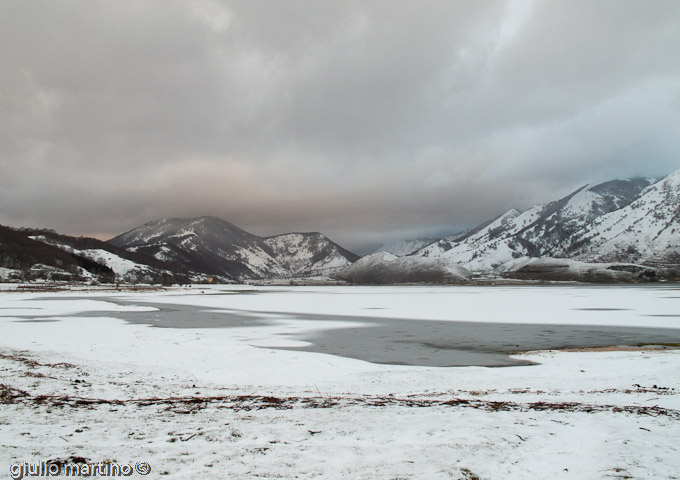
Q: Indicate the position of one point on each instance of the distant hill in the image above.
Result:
(28, 254)
(383, 268)
(214, 246)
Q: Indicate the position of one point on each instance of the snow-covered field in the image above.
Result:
(217, 403)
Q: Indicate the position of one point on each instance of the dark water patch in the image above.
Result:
(459, 343)
(602, 309)
(168, 315)
(185, 316)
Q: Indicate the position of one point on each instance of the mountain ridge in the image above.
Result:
(622, 230)
(212, 245)
(539, 231)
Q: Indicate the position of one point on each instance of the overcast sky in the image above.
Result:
(365, 120)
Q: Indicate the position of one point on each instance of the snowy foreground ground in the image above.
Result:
(218, 403)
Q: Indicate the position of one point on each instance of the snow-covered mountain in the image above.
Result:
(483, 248)
(29, 254)
(309, 254)
(542, 230)
(214, 246)
(401, 248)
(124, 269)
(646, 230)
(207, 244)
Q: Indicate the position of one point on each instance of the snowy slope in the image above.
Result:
(647, 230)
(119, 265)
(483, 248)
(215, 246)
(207, 244)
(539, 231)
(90, 259)
(386, 268)
(124, 269)
(401, 248)
(309, 254)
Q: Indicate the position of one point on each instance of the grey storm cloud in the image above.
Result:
(365, 120)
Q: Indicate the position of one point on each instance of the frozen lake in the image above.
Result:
(345, 382)
(423, 326)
